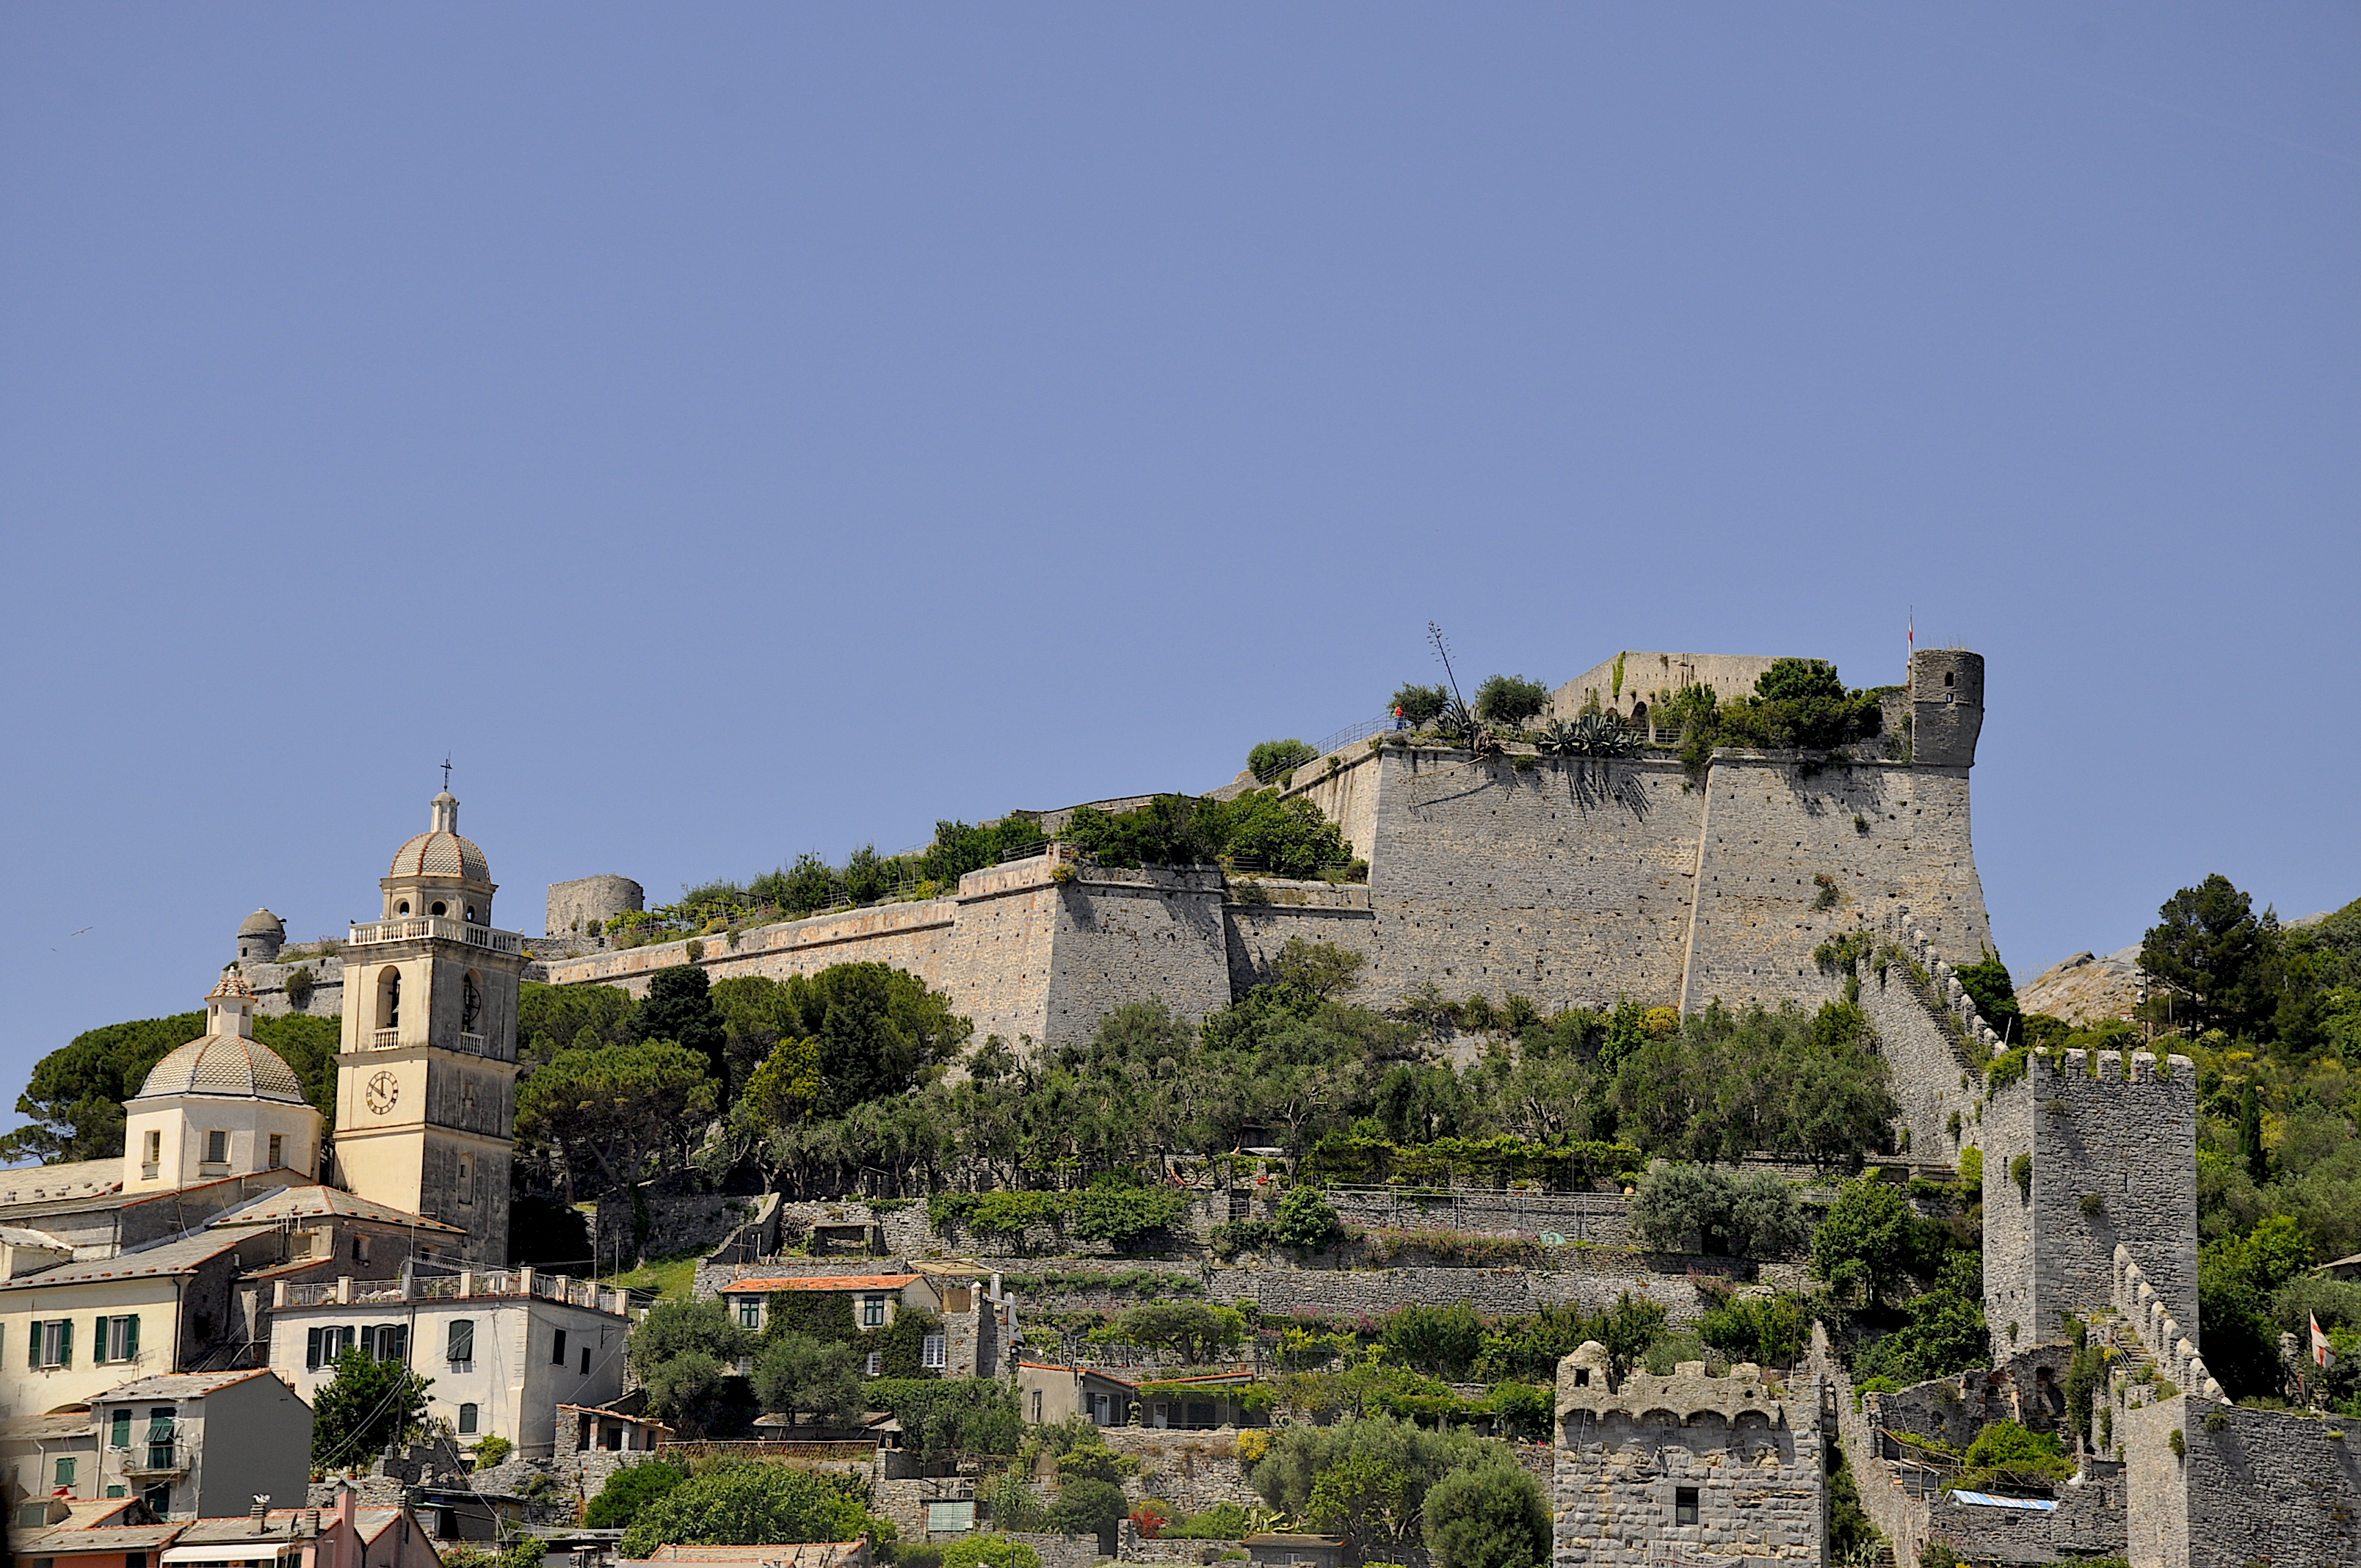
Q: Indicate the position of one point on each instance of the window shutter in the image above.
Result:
(65, 1342)
(311, 1347)
(461, 1345)
(129, 1350)
(97, 1339)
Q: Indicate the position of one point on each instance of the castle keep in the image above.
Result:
(1569, 882)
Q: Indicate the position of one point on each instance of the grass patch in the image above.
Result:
(673, 1278)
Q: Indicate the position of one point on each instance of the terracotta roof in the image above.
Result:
(67, 1541)
(821, 1282)
(181, 1385)
(282, 1523)
(315, 1202)
(182, 1255)
(1079, 1371)
(67, 1178)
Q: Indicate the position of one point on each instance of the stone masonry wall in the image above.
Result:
(1885, 834)
(2113, 1160)
(2275, 1486)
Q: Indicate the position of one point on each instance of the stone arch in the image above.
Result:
(471, 1003)
(389, 998)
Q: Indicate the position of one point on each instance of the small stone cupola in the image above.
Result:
(260, 937)
(439, 873)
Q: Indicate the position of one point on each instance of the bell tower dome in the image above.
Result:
(426, 1073)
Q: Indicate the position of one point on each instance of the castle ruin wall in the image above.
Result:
(2113, 1160)
(2248, 1485)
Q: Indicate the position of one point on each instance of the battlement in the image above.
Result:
(2108, 1067)
(2144, 1309)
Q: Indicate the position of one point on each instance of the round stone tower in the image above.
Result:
(1947, 706)
(260, 937)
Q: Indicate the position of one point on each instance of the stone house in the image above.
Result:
(1719, 1469)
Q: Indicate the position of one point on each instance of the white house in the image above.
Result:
(504, 1347)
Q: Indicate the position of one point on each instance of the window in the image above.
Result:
(324, 1345)
(557, 1349)
(65, 1472)
(118, 1430)
(873, 1311)
(471, 999)
(155, 1154)
(468, 1416)
(438, 909)
(52, 1342)
(467, 1176)
(1037, 1404)
(875, 1366)
(386, 1341)
(931, 1352)
(216, 1146)
(360, 1249)
(277, 1151)
(118, 1491)
(1685, 1505)
(459, 1342)
(585, 1361)
(1950, 678)
(1582, 1378)
(114, 1339)
(161, 1430)
(389, 995)
(750, 1311)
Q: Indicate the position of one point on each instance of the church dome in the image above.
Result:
(262, 923)
(440, 850)
(234, 1065)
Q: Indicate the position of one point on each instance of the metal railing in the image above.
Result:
(415, 927)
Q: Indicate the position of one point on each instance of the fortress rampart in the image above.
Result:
(1571, 883)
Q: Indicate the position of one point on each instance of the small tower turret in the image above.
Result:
(260, 937)
(1947, 706)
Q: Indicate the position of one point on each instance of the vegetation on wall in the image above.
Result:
(1284, 834)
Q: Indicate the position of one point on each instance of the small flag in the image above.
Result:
(1914, 631)
(2319, 1352)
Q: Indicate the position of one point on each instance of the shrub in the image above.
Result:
(492, 1449)
(1222, 1521)
(1751, 1215)
(628, 1491)
(1420, 704)
(1510, 700)
(1307, 1220)
(1444, 1341)
(986, 1550)
(1271, 758)
(1490, 1515)
(747, 1504)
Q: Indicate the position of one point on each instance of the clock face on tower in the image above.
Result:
(382, 1090)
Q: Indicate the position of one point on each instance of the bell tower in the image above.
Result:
(426, 1073)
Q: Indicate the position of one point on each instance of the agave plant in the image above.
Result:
(1592, 735)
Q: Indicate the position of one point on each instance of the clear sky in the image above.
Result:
(729, 431)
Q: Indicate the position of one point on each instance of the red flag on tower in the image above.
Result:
(2319, 1352)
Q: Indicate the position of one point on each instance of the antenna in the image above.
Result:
(1443, 652)
(447, 772)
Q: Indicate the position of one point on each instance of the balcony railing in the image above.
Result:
(471, 1283)
(416, 926)
(151, 1459)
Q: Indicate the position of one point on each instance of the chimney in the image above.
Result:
(310, 1521)
(261, 1512)
(344, 1503)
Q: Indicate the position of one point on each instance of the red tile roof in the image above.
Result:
(821, 1282)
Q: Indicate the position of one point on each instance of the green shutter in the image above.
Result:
(120, 1436)
(129, 1348)
(65, 1342)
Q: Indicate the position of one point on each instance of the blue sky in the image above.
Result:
(735, 431)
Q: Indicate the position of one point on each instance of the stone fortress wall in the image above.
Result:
(1570, 883)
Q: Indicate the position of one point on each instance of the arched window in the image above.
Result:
(471, 1004)
(438, 909)
(402, 908)
(467, 1416)
(472, 919)
(389, 1000)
